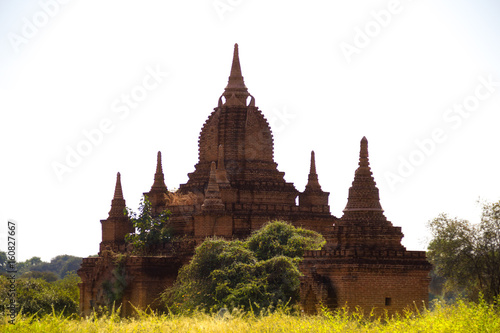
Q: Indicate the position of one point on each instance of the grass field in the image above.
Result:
(461, 317)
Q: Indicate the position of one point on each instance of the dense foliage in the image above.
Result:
(279, 238)
(467, 255)
(258, 273)
(150, 229)
(60, 265)
(37, 296)
(42, 287)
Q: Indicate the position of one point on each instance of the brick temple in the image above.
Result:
(234, 189)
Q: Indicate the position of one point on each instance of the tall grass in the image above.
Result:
(460, 317)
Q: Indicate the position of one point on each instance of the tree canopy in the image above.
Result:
(468, 255)
(37, 296)
(258, 273)
(60, 265)
(280, 238)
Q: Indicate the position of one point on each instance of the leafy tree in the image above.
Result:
(150, 229)
(60, 265)
(258, 273)
(37, 296)
(65, 264)
(47, 276)
(281, 238)
(468, 255)
(34, 261)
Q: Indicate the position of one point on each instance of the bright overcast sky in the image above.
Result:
(418, 78)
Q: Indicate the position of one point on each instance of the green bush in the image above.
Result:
(36, 296)
(258, 274)
(280, 238)
(150, 229)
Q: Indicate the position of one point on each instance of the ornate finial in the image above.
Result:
(159, 182)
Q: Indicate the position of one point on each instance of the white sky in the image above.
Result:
(69, 75)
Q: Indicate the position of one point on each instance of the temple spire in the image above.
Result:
(159, 182)
(312, 170)
(235, 78)
(118, 203)
(313, 195)
(117, 225)
(312, 182)
(363, 153)
(213, 201)
(221, 174)
(236, 92)
(363, 202)
(118, 187)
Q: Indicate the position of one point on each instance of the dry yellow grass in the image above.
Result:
(461, 317)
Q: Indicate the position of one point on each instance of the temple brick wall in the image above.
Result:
(392, 281)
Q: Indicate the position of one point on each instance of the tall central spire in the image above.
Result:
(236, 88)
(238, 138)
(235, 78)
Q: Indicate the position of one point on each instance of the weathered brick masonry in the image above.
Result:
(234, 189)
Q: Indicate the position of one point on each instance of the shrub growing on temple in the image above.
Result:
(257, 274)
(150, 229)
